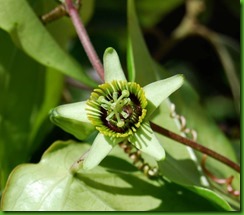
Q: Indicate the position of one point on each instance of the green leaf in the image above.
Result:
(27, 92)
(211, 196)
(18, 19)
(180, 164)
(209, 134)
(42, 7)
(139, 62)
(115, 185)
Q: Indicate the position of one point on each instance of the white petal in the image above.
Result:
(73, 119)
(99, 150)
(157, 91)
(145, 140)
(112, 66)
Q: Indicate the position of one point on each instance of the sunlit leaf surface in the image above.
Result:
(115, 185)
(27, 92)
(30, 35)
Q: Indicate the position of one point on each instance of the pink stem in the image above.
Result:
(84, 38)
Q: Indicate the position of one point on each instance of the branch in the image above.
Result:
(84, 38)
(195, 146)
(54, 14)
(57, 13)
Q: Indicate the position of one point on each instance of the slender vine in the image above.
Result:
(195, 145)
(84, 38)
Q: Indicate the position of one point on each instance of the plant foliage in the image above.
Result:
(41, 66)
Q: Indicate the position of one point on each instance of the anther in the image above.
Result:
(120, 123)
(108, 118)
(124, 114)
(102, 99)
(125, 93)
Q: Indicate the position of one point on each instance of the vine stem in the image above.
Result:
(84, 38)
(195, 146)
(96, 63)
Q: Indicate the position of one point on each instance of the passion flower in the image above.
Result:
(119, 110)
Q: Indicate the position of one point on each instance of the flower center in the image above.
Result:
(117, 108)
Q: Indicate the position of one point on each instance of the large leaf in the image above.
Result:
(42, 7)
(181, 164)
(27, 93)
(138, 58)
(115, 185)
(141, 65)
(187, 103)
(18, 19)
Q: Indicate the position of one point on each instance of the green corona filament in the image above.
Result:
(115, 107)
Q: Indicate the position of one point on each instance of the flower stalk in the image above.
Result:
(195, 146)
(84, 38)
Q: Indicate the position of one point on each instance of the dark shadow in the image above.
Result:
(177, 169)
(115, 163)
(166, 193)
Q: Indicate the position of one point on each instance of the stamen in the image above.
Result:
(104, 103)
(118, 108)
(115, 96)
(125, 93)
(108, 118)
(120, 122)
(102, 99)
(124, 114)
(105, 106)
(115, 107)
(126, 101)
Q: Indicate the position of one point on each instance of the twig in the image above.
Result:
(54, 14)
(58, 12)
(195, 146)
(84, 38)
